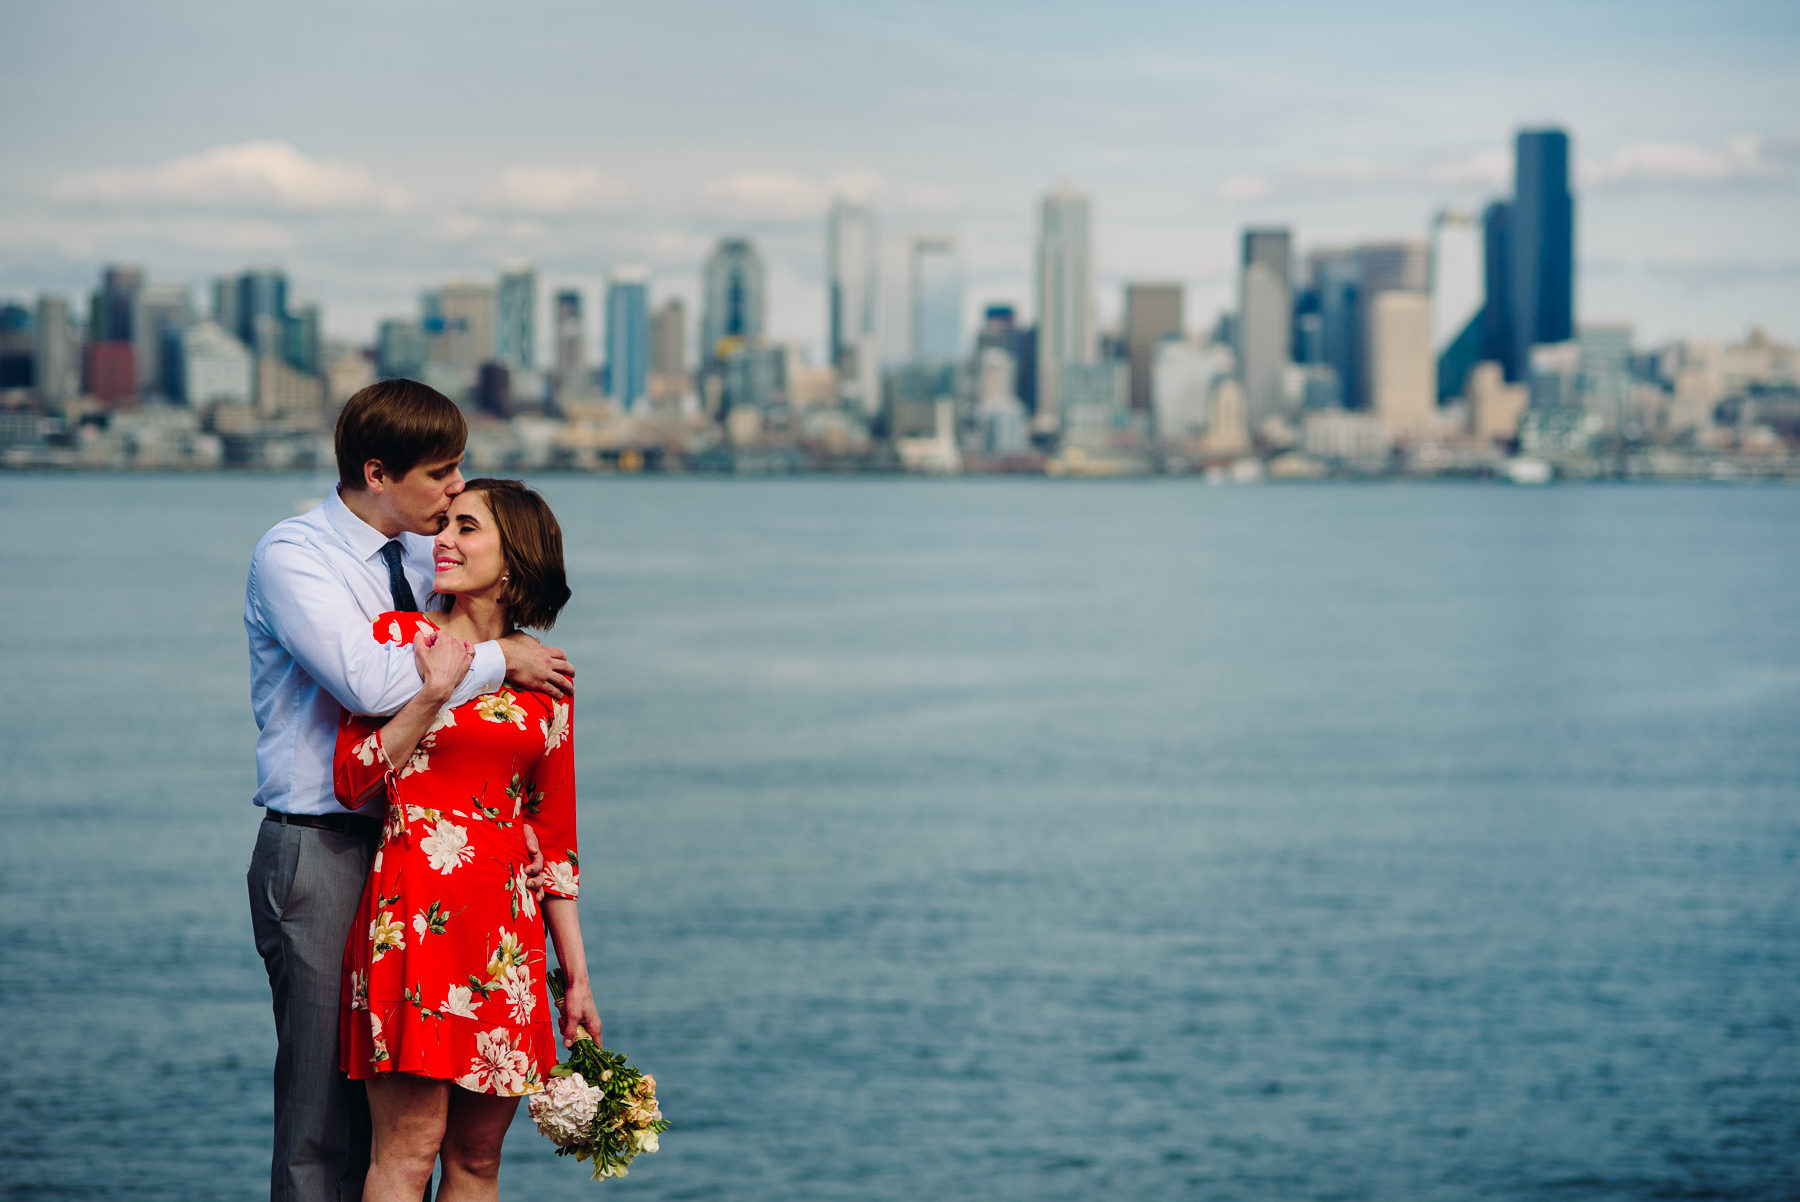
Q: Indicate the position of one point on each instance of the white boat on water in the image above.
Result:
(1528, 471)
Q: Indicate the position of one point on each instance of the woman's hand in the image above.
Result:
(442, 662)
(579, 1014)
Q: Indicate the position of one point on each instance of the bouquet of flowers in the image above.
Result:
(595, 1106)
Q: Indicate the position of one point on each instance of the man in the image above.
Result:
(316, 584)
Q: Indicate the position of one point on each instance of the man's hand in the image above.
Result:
(534, 869)
(533, 666)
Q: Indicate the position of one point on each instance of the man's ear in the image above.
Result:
(375, 477)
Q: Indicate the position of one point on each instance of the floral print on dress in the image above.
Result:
(500, 706)
(555, 727)
(460, 995)
(448, 846)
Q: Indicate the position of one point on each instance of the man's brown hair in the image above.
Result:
(399, 422)
(537, 587)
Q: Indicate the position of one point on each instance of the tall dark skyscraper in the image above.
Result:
(1497, 310)
(1543, 245)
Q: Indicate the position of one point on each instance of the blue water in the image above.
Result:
(1004, 839)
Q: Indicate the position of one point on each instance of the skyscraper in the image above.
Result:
(516, 336)
(1497, 343)
(1265, 320)
(466, 340)
(54, 349)
(1399, 266)
(161, 311)
(303, 341)
(1335, 290)
(1402, 386)
(850, 279)
(935, 283)
(1065, 295)
(571, 346)
(668, 338)
(1543, 242)
(1152, 313)
(262, 311)
(733, 299)
(1456, 299)
(628, 335)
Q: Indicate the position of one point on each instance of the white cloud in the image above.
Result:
(1240, 188)
(248, 175)
(557, 190)
(1742, 159)
(775, 195)
(1485, 170)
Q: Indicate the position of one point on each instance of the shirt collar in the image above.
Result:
(364, 541)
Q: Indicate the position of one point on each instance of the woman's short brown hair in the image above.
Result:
(399, 422)
(537, 587)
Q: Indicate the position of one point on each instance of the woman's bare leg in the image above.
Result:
(408, 1116)
(473, 1134)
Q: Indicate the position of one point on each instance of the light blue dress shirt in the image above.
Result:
(317, 583)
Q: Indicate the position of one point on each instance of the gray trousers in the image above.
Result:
(304, 887)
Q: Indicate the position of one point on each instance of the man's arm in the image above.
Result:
(310, 611)
(533, 666)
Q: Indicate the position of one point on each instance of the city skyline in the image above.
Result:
(1684, 229)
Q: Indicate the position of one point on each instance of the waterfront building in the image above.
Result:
(1457, 296)
(1362, 439)
(1495, 406)
(1094, 399)
(1402, 265)
(935, 283)
(401, 350)
(1065, 296)
(850, 280)
(261, 310)
(1183, 377)
(112, 312)
(515, 339)
(1542, 243)
(109, 372)
(571, 344)
(159, 312)
(732, 299)
(464, 335)
(53, 350)
(1152, 314)
(668, 338)
(1265, 319)
(1403, 380)
(215, 368)
(628, 336)
(1497, 308)
(1336, 292)
(303, 341)
(1604, 382)
(18, 357)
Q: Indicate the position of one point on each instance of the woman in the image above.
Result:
(444, 1010)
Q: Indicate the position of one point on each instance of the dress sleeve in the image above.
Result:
(359, 766)
(550, 803)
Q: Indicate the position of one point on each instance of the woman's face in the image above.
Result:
(467, 552)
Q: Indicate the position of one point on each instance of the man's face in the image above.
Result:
(420, 499)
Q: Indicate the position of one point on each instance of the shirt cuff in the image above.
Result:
(488, 672)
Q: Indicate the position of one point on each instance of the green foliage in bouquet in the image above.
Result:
(595, 1106)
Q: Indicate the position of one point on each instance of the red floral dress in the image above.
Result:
(444, 969)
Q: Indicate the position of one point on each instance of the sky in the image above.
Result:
(373, 150)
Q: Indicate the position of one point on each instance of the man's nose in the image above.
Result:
(456, 482)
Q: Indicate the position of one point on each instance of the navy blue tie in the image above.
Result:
(403, 594)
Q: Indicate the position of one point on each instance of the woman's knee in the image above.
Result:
(474, 1155)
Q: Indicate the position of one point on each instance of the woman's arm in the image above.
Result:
(579, 1014)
